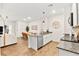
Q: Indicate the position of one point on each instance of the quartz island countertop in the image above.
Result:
(41, 34)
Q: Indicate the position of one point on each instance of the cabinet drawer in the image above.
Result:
(1, 42)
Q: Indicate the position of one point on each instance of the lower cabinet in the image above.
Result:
(39, 41)
(32, 42)
(47, 38)
(1, 41)
(9, 39)
(36, 42)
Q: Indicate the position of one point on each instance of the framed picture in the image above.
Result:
(56, 24)
(34, 27)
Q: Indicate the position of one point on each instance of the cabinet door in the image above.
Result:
(10, 39)
(40, 41)
(32, 42)
(44, 39)
(47, 38)
(1, 41)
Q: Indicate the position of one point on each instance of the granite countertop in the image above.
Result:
(41, 34)
(69, 39)
(68, 44)
(45, 33)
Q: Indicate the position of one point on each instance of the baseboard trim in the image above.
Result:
(8, 45)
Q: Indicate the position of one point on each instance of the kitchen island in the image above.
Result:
(36, 41)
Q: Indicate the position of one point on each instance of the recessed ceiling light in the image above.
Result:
(53, 11)
(28, 17)
(24, 19)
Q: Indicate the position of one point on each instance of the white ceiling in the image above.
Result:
(19, 11)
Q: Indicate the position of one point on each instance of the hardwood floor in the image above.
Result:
(21, 49)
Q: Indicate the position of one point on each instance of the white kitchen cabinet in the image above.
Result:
(32, 42)
(1, 41)
(10, 39)
(37, 41)
(47, 38)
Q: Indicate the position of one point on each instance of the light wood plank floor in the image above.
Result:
(21, 49)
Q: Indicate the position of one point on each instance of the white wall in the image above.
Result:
(21, 27)
(35, 23)
(57, 33)
(1, 7)
(1, 21)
